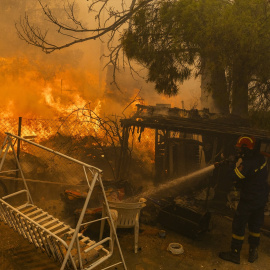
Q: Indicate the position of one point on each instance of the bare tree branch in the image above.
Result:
(105, 131)
(115, 19)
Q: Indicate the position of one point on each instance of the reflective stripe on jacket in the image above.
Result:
(252, 176)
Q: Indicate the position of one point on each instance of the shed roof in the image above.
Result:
(192, 121)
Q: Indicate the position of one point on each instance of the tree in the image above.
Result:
(218, 37)
(223, 40)
(174, 39)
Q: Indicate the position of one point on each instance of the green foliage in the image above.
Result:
(260, 119)
(247, 31)
(171, 37)
(153, 41)
(259, 95)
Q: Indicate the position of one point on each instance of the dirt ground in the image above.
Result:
(17, 254)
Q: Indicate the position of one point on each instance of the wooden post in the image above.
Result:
(123, 160)
(166, 155)
(209, 177)
(19, 143)
(161, 154)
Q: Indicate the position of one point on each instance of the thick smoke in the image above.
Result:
(35, 84)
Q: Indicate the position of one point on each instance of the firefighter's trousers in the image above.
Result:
(247, 215)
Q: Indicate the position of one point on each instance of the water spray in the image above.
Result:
(173, 186)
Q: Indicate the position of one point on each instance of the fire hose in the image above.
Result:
(222, 162)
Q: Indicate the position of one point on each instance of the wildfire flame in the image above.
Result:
(37, 92)
(32, 91)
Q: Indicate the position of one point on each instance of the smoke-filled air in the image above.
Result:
(39, 85)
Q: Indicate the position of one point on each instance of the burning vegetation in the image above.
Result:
(161, 151)
(62, 107)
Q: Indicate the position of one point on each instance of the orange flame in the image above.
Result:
(31, 90)
(35, 91)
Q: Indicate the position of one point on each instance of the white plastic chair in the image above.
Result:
(128, 217)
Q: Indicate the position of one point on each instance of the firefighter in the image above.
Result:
(250, 176)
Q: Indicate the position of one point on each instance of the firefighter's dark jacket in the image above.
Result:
(251, 177)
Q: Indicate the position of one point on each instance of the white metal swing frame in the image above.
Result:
(28, 220)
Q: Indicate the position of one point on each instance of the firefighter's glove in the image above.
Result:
(218, 164)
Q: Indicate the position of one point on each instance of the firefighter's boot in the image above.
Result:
(253, 254)
(231, 256)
